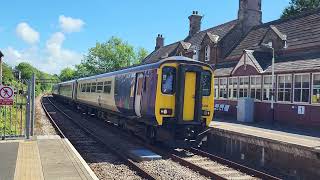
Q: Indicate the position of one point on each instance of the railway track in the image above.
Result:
(88, 143)
(204, 163)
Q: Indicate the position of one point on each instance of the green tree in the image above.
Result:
(27, 70)
(141, 54)
(7, 74)
(67, 74)
(108, 56)
(298, 6)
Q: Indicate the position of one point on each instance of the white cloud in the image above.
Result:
(69, 24)
(51, 59)
(27, 33)
(58, 57)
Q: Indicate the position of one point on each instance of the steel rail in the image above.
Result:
(195, 167)
(121, 154)
(241, 168)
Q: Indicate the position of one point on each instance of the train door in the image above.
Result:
(138, 94)
(189, 96)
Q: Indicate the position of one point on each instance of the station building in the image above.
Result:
(243, 65)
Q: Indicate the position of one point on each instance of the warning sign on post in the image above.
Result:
(6, 95)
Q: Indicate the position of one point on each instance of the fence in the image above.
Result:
(18, 120)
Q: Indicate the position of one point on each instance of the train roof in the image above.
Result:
(67, 82)
(146, 66)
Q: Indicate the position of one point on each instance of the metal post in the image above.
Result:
(273, 87)
(28, 115)
(33, 107)
(1, 55)
(0, 70)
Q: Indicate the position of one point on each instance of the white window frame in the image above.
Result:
(223, 86)
(285, 88)
(269, 87)
(312, 87)
(216, 88)
(207, 53)
(255, 87)
(294, 81)
(232, 87)
(243, 86)
(196, 54)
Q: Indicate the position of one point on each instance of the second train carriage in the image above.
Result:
(170, 100)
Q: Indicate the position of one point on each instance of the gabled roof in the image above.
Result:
(194, 41)
(301, 31)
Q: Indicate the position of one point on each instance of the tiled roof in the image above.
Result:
(302, 31)
(220, 31)
(224, 69)
(194, 40)
(297, 62)
(161, 53)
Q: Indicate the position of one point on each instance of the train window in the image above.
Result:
(99, 87)
(93, 87)
(107, 87)
(206, 83)
(168, 80)
(83, 88)
(88, 87)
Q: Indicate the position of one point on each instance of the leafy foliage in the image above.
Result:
(109, 56)
(27, 71)
(67, 74)
(299, 6)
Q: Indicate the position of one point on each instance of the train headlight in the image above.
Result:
(205, 113)
(165, 111)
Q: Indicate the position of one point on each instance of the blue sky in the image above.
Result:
(52, 35)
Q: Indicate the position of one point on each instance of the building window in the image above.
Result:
(196, 54)
(207, 53)
(316, 89)
(301, 88)
(243, 86)
(233, 87)
(284, 88)
(255, 87)
(223, 82)
(216, 88)
(267, 88)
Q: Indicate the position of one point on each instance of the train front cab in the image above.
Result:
(184, 105)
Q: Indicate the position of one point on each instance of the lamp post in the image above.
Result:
(1, 55)
(269, 46)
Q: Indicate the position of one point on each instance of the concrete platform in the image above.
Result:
(144, 155)
(296, 144)
(47, 157)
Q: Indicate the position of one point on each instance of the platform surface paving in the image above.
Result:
(42, 159)
(284, 137)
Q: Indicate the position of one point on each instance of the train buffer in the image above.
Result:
(44, 157)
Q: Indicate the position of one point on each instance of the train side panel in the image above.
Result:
(124, 93)
(98, 92)
(149, 94)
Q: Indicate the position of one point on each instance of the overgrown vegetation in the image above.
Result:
(298, 6)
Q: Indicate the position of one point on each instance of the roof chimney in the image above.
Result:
(249, 14)
(159, 41)
(195, 23)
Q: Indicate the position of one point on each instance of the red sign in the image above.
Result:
(6, 95)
